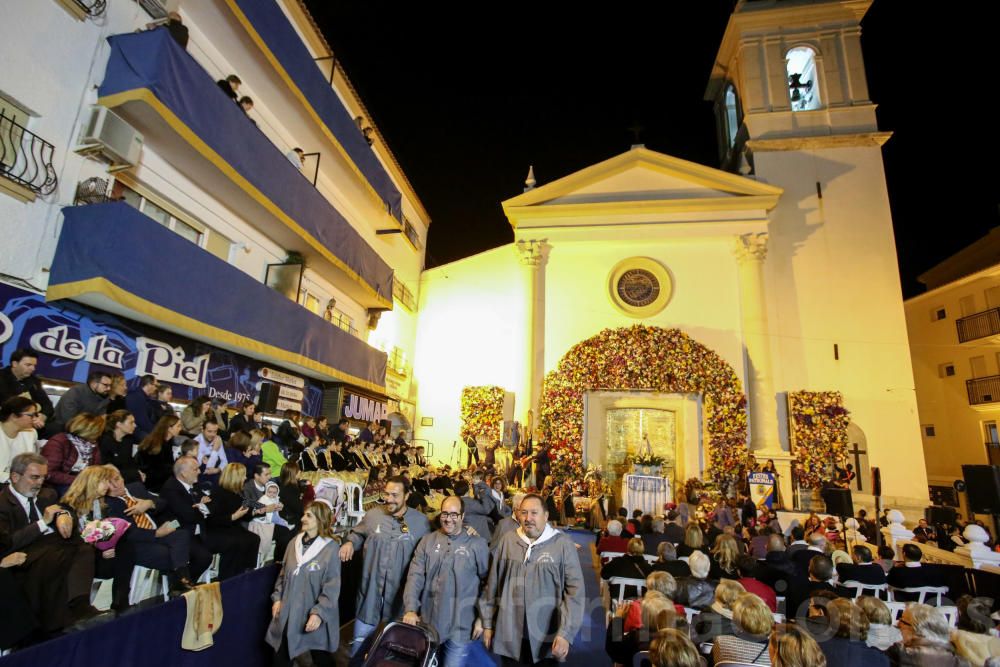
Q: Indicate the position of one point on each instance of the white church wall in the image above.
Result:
(471, 314)
(704, 304)
(832, 279)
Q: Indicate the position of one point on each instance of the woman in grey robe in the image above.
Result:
(305, 615)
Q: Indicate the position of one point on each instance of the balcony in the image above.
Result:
(984, 390)
(111, 257)
(159, 88)
(25, 161)
(978, 325)
(276, 38)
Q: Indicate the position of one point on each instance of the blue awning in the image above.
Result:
(149, 69)
(271, 30)
(113, 254)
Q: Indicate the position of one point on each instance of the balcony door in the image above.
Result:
(968, 305)
(978, 366)
(993, 297)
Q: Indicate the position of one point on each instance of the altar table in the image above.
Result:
(648, 494)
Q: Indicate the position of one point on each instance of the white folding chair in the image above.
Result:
(950, 613)
(608, 555)
(650, 559)
(861, 588)
(144, 583)
(778, 617)
(355, 501)
(689, 614)
(622, 582)
(896, 610)
(922, 592)
(639, 657)
(780, 600)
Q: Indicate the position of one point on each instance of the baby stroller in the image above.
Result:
(404, 645)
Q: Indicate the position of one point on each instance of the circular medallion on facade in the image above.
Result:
(639, 286)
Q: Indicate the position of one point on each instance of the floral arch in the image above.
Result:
(644, 357)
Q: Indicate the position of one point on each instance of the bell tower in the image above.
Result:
(793, 110)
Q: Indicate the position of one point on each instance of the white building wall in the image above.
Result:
(832, 279)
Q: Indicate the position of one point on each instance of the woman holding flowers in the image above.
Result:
(113, 559)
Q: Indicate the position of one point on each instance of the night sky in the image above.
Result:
(466, 102)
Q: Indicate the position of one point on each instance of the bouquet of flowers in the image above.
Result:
(104, 533)
(648, 460)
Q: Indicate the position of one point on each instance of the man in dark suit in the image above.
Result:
(778, 571)
(817, 547)
(58, 571)
(189, 507)
(19, 379)
(863, 570)
(155, 542)
(673, 530)
(912, 574)
(820, 576)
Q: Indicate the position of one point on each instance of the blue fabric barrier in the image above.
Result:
(265, 20)
(114, 250)
(152, 637)
(150, 67)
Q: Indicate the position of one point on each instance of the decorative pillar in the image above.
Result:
(532, 254)
(751, 249)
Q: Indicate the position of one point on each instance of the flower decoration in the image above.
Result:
(819, 432)
(652, 358)
(482, 412)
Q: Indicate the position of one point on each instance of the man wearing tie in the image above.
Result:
(59, 569)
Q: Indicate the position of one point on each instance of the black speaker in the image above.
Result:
(838, 501)
(939, 515)
(983, 488)
(268, 400)
(876, 481)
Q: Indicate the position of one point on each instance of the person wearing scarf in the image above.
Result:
(535, 583)
(304, 615)
(442, 587)
(70, 452)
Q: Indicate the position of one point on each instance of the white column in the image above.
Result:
(751, 249)
(532, 254)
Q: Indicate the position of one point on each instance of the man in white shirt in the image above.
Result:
(211, 452)
(59, 569)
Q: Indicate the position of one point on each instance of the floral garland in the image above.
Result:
(482, 413)
(643, 357)
(819, 427)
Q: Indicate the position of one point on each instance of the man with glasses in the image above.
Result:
(19, 379)
(91, 397)
(442, 588)
(532, 606)
(388, 535)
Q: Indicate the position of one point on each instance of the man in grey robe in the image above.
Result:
(388, 534)
(507, 524)
(448, 569)
(481, 508)
(532, 606)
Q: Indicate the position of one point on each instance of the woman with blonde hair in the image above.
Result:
(791, 646)
(70, 452)
(881, 632)
(225, 523)
(631, 565)
(156, 456)
(724, 556)
(672, 648)
(85, 498)
(747, 642)
(694, 540)
(718, 618)
(305, 615)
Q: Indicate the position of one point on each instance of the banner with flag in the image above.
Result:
(762, 489)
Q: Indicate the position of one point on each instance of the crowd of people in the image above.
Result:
(716, 587)
(111, 478)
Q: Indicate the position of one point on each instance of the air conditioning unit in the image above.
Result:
(106, 137)
(158, 8)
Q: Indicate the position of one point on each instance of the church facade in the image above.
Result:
(773, 278)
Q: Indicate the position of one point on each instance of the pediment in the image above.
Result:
(641, 179)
